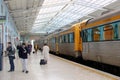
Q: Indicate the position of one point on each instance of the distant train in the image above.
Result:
(94, 39)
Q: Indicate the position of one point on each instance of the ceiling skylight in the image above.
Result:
(55, 14)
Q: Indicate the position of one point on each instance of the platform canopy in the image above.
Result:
(46, 16)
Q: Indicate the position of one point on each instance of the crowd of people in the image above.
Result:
(23, 51)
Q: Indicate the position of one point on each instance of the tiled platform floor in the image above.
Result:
(56, 69)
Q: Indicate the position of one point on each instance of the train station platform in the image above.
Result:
(56, 69)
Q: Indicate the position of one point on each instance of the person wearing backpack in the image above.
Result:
(11, 56)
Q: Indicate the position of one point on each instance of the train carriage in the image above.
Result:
(66, 42)
(69, 41)
(52, 42)
(101, 39)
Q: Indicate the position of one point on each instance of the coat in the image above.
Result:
(23, 53)
(11, 51)
(45, 52)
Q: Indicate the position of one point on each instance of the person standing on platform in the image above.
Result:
(19, 46)
(24, 57)
(29, 48)
(36, 48)
(45, 52)
(11, 56)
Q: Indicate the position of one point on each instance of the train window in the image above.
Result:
(63, 38)
(96, 34)
(119, 30)
(108, 32)
(84, 35)
(60, 39)
(89, 35)
(66, 38)
(115, 28)
(101, 32)
(53, 40)
(71, 37)
(56, 39)
(50, 40)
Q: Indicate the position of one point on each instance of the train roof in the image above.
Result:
(104, 16)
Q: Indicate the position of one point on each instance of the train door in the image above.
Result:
(85, 44)
(85, 53)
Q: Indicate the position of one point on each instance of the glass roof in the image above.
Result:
(55, 14)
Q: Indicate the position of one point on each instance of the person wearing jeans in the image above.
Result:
(11, 61)
(11, 56)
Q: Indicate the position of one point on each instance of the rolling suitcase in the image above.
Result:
(43, 62)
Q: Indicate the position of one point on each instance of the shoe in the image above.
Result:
(26, 72)
(10, 70)
(22, 70)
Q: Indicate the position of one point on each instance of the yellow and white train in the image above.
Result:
(95, 39)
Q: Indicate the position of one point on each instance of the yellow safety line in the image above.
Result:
(87, 68)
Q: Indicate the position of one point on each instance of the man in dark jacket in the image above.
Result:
(19, 46)
(11, 55)
(29, 46)
(24, 56)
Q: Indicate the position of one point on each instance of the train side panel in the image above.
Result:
(67, 49)
(66, 42)
(52, 44)
(105, 52)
